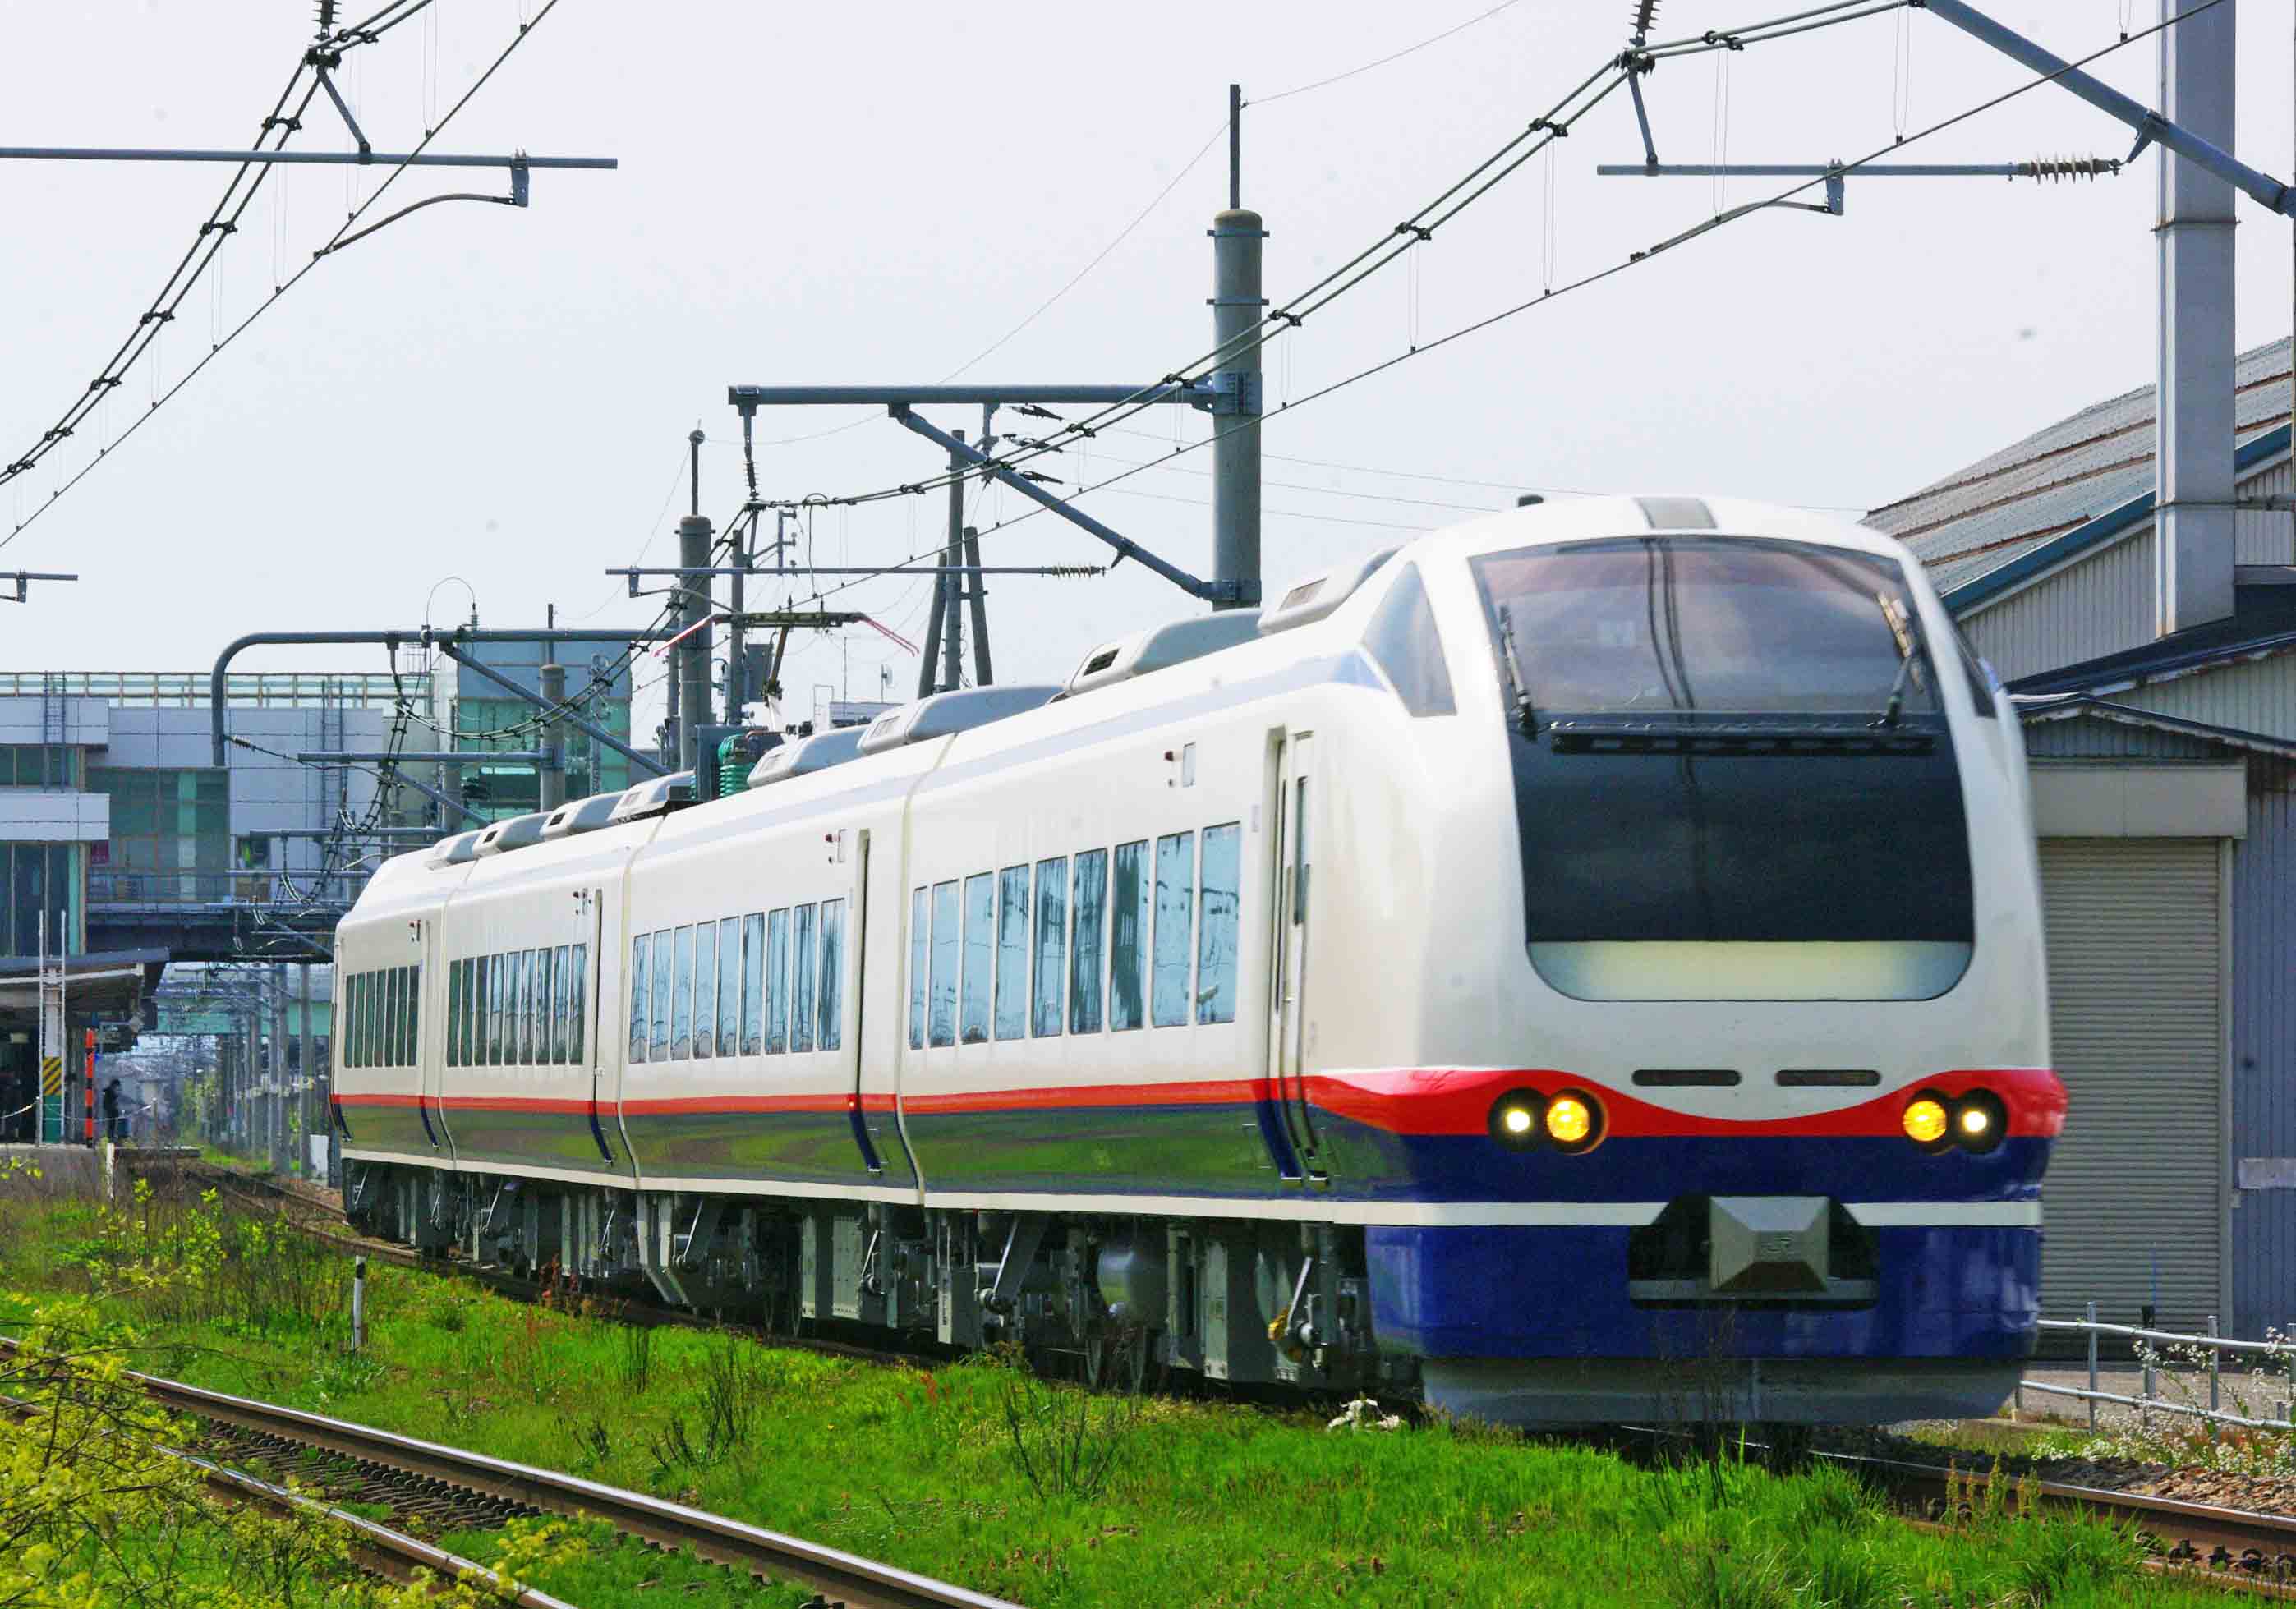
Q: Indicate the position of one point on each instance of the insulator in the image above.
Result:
(1646, 14)
(326, 16)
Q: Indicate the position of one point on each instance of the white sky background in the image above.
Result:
(873, 193)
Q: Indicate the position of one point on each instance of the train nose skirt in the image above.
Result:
(1741, 1249)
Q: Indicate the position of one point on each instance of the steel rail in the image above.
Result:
(392, 1553)
(857, 1582)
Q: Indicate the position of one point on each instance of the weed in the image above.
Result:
(1062, 1447)
(636, 1358)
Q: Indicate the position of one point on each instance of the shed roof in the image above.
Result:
(2077, 484)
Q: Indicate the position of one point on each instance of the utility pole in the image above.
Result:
(551, 774)
(693, 674)
(1236, 303)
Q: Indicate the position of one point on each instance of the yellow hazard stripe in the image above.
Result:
(52, 1075)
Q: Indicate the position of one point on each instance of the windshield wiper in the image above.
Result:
(1514, 667)
(1901, 632)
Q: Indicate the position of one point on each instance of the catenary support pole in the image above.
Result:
(551, 775)
(305, 1075)
(979, 594)
(952, 626)
(2194, 555)
(1237, 304)
(736, 634)
(277, 1133)
(694, 651)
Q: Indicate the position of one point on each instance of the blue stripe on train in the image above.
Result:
(1488, 1291)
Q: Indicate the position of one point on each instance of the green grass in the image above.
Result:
(981, 1474)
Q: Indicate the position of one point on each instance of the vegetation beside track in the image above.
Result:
(982, 1473)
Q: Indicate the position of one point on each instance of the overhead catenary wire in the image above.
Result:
(1416, 228)
(391, 17)
(1633, 260)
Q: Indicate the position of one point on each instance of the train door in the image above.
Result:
(857, 945)
(429, 1035)
(592, 1015)
(1288, 949)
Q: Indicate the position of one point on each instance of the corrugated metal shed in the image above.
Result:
(2264, 1055)
(2005, 508)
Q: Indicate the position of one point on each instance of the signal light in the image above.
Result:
(1980, 1121)
(1516, 1117)
(1523, 1120)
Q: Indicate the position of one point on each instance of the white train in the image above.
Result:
(1585, 964)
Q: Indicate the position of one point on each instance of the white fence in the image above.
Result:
(2150, 1344)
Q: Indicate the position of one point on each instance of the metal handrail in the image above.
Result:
(2213, 1415)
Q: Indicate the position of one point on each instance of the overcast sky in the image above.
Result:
(875, 193)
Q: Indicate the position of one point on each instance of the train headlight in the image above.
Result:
(1515, 1119)
(1980, 1121)
(1926, 1120)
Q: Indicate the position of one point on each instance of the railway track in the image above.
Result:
(2235, 1547)
(501, 1488)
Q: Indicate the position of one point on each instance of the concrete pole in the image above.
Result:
(951, 627)
(736, 638)
(304, 1076)
(277, 1131)
(251, 1073)
(1237, 304)
(552, 774)
(979, 596)
(2195, 552)
(693, 546)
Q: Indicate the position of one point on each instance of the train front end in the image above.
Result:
(1744, 1114)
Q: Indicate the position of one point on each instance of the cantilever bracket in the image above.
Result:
(319, 65)
(1213, 591)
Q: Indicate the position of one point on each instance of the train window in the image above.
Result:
(980, 955)
(664, 976)
(397, 993)
(754, 984)
(548, 1046)
(1051, 943)
(381, 1014)
(640, 1030)
(777, 981)
(729, 986)
(1215, 931)
(454, 1006)
(1012, 953)
(414, 1040)
(497, 1012)
(681, 1003)
(578, 992)
(917, 939)
(522, 1006)
(1402, 637)
(1090, 898)
(1127, 937)
(353, 997)
(832, 974)
(561, 1002)
(507, 963)
(942, 1018)
(537, 1006)
(1176, 892)
(801, 958)
(473, 1003)
(705, 990)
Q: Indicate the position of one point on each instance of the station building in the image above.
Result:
(2164, 789)
(126, 847)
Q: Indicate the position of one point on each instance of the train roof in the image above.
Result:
(1310, 617)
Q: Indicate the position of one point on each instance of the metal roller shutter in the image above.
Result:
(2135, 996)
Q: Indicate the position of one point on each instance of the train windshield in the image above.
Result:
(1668, 626)
(1732, 776)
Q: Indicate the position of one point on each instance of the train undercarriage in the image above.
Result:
(1126, 1299)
